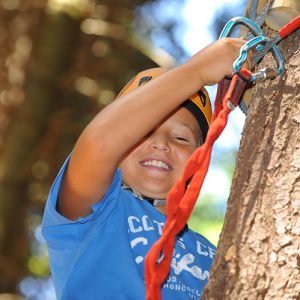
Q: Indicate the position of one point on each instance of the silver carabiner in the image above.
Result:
(252, 26)
(253, 43)
(270, 73)
(256, 42)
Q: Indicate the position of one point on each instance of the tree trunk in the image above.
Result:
(258, 255)
(26, 125)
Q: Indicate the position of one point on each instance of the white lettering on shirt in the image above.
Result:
(144, 224)
(185, 264)
(136, 241)
(140, 226)
(132, 227)
(160, 226)
(180, 242)
(147, 227)
(200, 250)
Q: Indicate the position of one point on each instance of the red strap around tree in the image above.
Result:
(183, 195)
(290, 27)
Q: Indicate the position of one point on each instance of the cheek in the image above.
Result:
(183, 155)
(128, 172)
(128, 162)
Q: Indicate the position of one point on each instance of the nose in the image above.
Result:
(159, 142)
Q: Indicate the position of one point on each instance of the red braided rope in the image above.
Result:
(181, 199)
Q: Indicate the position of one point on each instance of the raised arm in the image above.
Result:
(118, 127)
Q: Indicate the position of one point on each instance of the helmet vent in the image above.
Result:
(144, 79)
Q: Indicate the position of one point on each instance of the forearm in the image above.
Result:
(118, 127)
(132, 116)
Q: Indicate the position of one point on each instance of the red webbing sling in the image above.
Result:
(289, 27)
(183, 195)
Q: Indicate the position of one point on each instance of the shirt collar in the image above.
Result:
(138, 195)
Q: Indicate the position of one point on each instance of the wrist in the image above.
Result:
(193, 75)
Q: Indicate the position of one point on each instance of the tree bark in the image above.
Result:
(258, 255)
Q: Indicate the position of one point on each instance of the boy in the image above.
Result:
(99, 220)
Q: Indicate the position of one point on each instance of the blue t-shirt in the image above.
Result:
(101, 256)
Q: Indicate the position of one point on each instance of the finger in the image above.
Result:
(248, 62)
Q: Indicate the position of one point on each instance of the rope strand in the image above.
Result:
(181, 200)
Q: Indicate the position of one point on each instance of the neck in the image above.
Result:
(159, 204)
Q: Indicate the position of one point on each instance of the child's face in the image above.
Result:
(156, 163)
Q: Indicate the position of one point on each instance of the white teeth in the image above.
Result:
(156, 163)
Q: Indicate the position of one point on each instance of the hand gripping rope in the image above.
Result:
(183, 195)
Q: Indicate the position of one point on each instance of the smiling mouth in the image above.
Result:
(156, 164)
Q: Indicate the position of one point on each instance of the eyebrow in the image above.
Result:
(186, 125)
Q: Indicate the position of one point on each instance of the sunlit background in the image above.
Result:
(78, 54)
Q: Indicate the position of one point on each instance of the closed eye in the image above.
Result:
(181, 138)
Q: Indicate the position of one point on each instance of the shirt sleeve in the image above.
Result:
(61, 232)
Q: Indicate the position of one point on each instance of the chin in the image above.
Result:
(153, 193)
(149, 187)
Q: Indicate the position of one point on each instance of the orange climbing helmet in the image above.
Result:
(198, 104)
